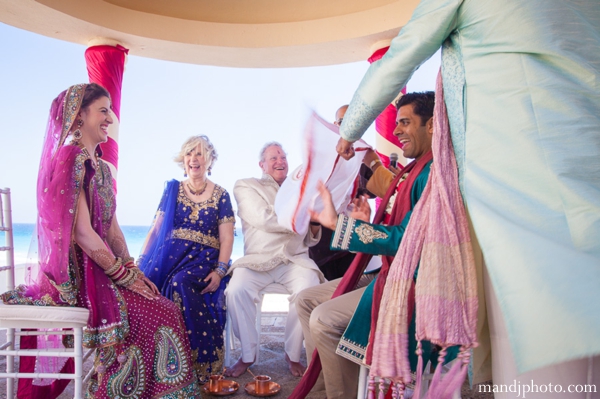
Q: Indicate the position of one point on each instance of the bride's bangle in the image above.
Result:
(115, 268)
(127, 279)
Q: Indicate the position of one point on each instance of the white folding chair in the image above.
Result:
(15, 318)
(273, 288)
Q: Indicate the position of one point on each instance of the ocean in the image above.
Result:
(134, 236)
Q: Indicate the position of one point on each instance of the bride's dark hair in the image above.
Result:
(92, 92)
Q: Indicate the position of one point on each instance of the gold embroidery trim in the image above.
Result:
(195, 236)
(366, 234)
(227, 219)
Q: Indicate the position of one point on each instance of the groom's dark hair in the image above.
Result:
(422, 102)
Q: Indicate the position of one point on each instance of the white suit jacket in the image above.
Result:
(266, 243)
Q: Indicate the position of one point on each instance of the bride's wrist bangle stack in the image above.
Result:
(128, 279)
(129, 262)
(222, 268)
(120, 274)
(117, 270)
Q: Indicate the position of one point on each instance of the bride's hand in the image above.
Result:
(149, 283)
(140, 287)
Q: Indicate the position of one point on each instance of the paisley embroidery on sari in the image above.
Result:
(105, 356)
(67, 290)
(170, 363)
(92, 388)
(130, 380)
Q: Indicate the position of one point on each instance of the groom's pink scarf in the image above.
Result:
(437, 238)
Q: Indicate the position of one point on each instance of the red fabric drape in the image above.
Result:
(25, 388)
(386, 121)
(105, 66)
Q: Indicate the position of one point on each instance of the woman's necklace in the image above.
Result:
(199, 191)
(93, 160)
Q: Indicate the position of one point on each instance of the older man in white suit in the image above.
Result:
(272, 254)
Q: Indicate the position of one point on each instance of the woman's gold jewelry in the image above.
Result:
(128, 259)
(199, 191)
(116, 266)
(129, 278)
(77, 135)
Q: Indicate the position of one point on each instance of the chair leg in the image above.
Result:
(78, 358)
(362, 382)
(10, 364)
(259, 325)
(228, 342)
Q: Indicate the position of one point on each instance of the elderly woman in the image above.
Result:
(187, 252)
(142, 345)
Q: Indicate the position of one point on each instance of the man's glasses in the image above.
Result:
(338, 122)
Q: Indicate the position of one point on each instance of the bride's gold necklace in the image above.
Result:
(94, 160)
(199, 191)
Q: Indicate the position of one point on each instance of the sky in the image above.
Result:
(164, 103)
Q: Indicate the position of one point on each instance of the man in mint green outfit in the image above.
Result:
(522, 90)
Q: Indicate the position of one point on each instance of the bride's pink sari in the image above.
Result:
(154, 359)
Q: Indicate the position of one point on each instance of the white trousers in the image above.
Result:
(572, 378)
(242, 297)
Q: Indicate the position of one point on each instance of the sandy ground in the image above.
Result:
(271, 361)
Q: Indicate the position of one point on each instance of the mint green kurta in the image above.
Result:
(522, 87)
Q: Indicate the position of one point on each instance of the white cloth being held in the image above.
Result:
(320, 162)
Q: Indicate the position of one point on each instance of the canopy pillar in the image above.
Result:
(105, 62)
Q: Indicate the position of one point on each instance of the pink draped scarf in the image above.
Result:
(437, 238)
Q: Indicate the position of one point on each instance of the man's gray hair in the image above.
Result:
(261, 156)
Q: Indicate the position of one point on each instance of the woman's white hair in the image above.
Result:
(208, 151)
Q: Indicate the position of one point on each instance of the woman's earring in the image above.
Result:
(209, 170)
(77, 133)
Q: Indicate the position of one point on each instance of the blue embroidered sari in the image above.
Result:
(182, 248)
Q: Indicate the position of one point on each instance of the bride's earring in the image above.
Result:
(77, 133)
